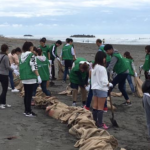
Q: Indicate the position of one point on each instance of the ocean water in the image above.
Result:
(127, 39)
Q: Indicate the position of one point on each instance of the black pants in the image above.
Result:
(146, 75)
(4, 82)
(28, 88)
(53, 69)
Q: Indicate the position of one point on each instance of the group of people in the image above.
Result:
(35, 66)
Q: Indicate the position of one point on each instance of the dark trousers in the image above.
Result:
(4, 83)
(120, 79)
(89, 99)
(11, 78)
(44, 89)
(53, 69)
(28, 88)
(146, 75)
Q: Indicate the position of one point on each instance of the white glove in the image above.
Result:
(149, 72)
(63, 63)
(13, 66)
(50, 61)
(16, 72)
(58, 58)
(141, 67)
(87, 88)
(135, 74)
(39, 79)
(110, 85)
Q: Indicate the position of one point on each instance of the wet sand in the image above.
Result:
(43, 132)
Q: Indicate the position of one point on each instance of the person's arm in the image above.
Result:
(73, 53)
(53, 51)
(133, 66)
(16, 59)
(112, 64)
(61, 54)
(7, 63)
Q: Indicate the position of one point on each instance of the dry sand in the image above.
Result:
(43, 132)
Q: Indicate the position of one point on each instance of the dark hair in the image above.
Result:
(147, 48)
(38, 51)
(98, 41)
(85, 67)
(108, 47)
(43, 40)
(26, 46)
(67, 40)
(127, 55)
(59, 42)
(4, 48)
(99, 58)
(16, 50)
(71, 40)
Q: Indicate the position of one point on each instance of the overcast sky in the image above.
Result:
(63, 17)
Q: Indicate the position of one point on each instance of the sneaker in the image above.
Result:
(32, 114)
(127, 103)
(74, 104)
(9, 88)
(2, 106)
(7, 105)
(15, 91)
(54, 78)
(87, 108)
(105, 109)
(105, 127)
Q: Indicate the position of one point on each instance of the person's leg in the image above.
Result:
(83, 94)
(53, 70)
(129, 78)
(89, 99)
(146, 100)
(95, 106)
(145, 73)
(44, 89)
(4, 82)
(34, 89)
(11, 80)
(74, 93)
(65, 73)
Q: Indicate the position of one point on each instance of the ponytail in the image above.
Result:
(127, 55)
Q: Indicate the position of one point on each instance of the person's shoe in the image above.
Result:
(54, 78)
(7, 105)
(74, 104)
(103, 126)
(105, 109)
(2, 106)
(127, 103)
(15, 91)
(32, 114)
(87, 108)
(9, 88)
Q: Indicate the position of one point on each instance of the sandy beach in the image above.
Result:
(43, 132)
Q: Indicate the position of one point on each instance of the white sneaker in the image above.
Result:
(15, 91)
(9, 88)
(2, 106)
(7, 105)
(74, 104)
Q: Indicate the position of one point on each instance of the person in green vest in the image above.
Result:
(118, 65)
(79, 78)
(45, 48)
(132, 72)
(44, 71)
(29, 75)
(146, 66)
(68, 55)
(101, 48)
(53, 55)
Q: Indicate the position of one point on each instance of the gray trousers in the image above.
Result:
(146, 101)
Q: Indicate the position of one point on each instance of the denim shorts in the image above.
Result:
(99, 93)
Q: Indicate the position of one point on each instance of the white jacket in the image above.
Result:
(99, 78)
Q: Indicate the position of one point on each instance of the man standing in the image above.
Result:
(53, 55)
(118, 66)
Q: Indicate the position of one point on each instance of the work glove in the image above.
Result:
(58, 59)
(39, 79)
(16, 72)
(50, 62)
(110, 85)
(63, 63)
(141, 67)
(13, 66)
(135, 74)
(148, 72)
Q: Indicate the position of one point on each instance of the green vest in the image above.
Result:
(43, 69)
(146, 66)
(129, 65)
(120, 66)
(66, 53)
(50, 50)
(25, 70)
(73, 75)
(108, 57)
(45, 50)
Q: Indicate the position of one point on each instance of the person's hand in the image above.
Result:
(13, 66)
(58, 59)
(135, 74)
(141, 67)
(62, 62)
(39, 79)
(50, 62)
(16, 72)
(110, 85)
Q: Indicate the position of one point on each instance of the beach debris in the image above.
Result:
(11, 138)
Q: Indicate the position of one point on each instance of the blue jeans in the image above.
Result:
(129, 79)
(120, 79)
(11, 77)
(89, 99)
(66, 72)
(44, 89)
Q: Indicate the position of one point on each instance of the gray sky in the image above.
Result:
(62, 17)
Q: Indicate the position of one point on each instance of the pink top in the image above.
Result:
(13, 59)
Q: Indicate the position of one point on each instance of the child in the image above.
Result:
(146, 101)
(132, 72)
(79, 78)
(44, 72)
(100, 86)
(29, 75)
